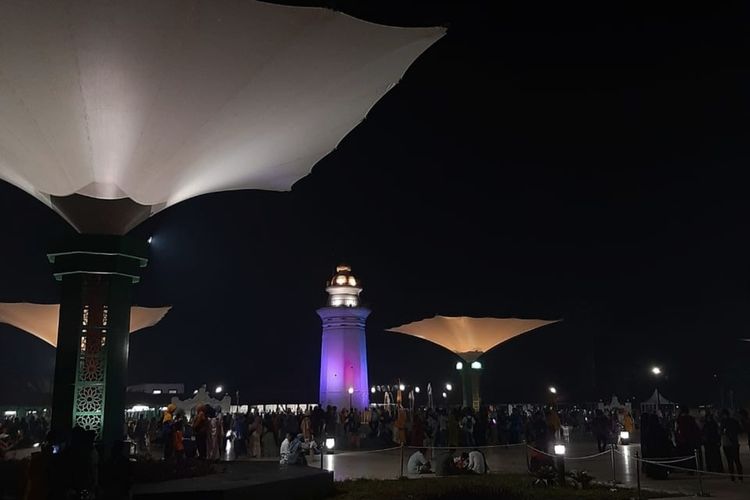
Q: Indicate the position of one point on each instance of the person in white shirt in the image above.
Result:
(284, 450)
(418, 464)
(477, 465)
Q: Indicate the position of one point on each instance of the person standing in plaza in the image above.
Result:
(711, 436)
(730, 442)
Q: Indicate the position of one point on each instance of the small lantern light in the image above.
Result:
(330, 443)
(559, 449)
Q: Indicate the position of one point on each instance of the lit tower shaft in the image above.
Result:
(343, 355)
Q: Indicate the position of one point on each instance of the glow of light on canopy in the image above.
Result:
(161, 101)
(469, 337)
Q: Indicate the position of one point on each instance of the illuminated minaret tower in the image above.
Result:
(343, 355)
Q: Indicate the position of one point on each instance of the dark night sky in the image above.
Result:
(582, 164)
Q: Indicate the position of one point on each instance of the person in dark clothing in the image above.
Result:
(600, 427)
(658, 446)
(688, 437)
(116, 474)
(730, 442)
(444, 463)
(712, 444)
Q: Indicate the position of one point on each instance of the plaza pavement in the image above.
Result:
(387, 465)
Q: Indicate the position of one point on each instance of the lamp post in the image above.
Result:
(350, 391)
(656, 371)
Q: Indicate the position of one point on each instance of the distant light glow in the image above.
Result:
(10, 413)
(449, 387)
(156, 391)
(139, 408)
(553, 390)
(624, 435)
(218, 389)
(330, 443)
(401, 387)
(656, 370)
(195, 391)
(372, 389)
(350, 390)
(36, 445)
(445, 395)
(417, 389)
(150, 239)
(559, 449)
(476, 365)
(459, 366)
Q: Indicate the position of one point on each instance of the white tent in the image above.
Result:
(657, 399)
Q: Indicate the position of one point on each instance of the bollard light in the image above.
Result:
(559, 449)
(624, 437)
(330, 443)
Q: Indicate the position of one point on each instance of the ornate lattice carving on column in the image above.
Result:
(91, 373)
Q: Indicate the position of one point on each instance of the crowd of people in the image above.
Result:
(709, 435)
(22, 432)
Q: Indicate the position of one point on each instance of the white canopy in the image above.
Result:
(652, 401)
(162, 100)
(469, 337)
(41, 320)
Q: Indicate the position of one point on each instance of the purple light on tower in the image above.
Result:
(343, 354)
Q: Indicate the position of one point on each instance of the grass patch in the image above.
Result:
(492, 486)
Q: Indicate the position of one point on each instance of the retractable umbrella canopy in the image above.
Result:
(41, 320)
(468, 337)
(145, 103)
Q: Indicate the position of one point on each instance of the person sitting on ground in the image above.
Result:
(284, 450)
(444, 465)
(418, 463)
(477, 464)
(297, 450)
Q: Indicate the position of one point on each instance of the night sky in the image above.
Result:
(583, 164)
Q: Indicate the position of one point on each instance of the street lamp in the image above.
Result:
(553, 390)
(656, 371)
(218, 389)
(350, 391)
(448, 387)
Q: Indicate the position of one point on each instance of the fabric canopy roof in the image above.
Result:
(162, 100)
(469, 337)
(657, 397)
(41, 320)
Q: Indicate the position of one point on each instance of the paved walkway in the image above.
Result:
(387, 465)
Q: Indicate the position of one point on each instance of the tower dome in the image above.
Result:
(343, 288)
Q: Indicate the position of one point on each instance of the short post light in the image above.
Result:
(560, 463)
